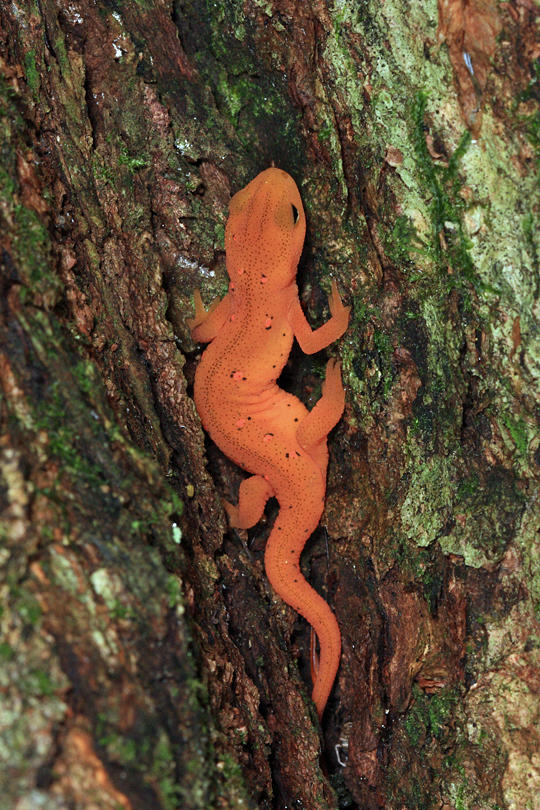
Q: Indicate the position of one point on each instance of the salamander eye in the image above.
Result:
(286, 215)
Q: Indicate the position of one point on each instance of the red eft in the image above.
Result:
(258, 425)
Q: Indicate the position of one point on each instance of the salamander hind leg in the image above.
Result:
(318, 423)
(252, 497)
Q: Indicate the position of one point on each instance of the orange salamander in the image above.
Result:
(255, 423)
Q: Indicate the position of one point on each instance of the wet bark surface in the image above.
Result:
(146, 662)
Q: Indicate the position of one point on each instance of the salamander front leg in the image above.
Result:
(252, 497)
(310, 340)
(207, 323)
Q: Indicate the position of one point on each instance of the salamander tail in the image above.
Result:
(282, 563)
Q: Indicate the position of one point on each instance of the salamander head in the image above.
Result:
(265, 230)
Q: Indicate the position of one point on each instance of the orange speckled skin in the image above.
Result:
(259, 426)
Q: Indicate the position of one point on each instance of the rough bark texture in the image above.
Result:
(145, 661)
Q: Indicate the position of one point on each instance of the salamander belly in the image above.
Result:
(257, 432)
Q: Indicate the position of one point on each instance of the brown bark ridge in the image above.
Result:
(145, 661)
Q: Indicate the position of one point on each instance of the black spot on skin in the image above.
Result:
(296, 419)
(268, 327)
(286, 455)
(244, 378)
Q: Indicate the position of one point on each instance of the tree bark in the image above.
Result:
(146, 662)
